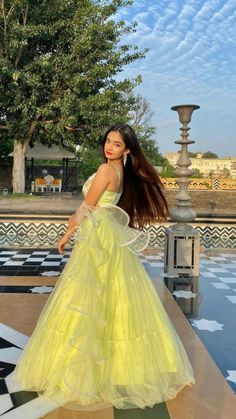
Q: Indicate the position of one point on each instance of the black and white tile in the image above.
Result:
(29, 262)
(209, 302)
(26, 289)
(14, 402)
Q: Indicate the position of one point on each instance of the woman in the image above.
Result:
(103, 337)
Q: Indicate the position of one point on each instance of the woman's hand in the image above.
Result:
(61, 243)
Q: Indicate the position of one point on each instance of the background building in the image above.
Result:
(225, 167)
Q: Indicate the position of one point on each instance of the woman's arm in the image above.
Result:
(62, 242)
(99, 185)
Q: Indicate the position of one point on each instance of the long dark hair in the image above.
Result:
(142, 197)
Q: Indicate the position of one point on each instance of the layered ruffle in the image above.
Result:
(103, 338)
(135, 240)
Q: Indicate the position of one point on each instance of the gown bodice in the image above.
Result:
(108, 197)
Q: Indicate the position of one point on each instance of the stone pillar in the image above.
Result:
(182, 240)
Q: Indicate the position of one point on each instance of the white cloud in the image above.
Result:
(187, 12)
(140, 17)
(191, 59)
(225, 10)
(206, 10)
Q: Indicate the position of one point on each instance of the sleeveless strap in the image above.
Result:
(119, 177)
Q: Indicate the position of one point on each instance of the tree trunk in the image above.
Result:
(18, 172)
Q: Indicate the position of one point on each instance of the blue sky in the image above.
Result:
(191, 59)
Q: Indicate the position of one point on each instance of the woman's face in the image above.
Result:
(114, 146)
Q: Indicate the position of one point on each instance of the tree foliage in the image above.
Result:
(197, 174)
(6, 147)
(167, 169)
(58, 62)
(139, 117)
(210, 155)
(206, 155)
(89, 160)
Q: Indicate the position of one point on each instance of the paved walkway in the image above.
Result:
(68, 204)
(40, 205)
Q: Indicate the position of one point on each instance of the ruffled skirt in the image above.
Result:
(103, 338)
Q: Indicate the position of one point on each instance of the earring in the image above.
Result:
(124, 159)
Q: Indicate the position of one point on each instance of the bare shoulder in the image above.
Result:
(105, 169)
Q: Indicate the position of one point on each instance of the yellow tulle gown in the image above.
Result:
(103, 338)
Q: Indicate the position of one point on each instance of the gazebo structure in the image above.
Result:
(43, 152)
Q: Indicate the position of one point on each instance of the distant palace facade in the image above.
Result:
(223, 167)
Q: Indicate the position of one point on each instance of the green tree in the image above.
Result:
(89, 160)
(151, 150)
(197, 174)
(167, 169)
(209, 155)
(6, 146)
(58, 65)
(140, 116)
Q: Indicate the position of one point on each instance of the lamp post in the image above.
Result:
(182, 240)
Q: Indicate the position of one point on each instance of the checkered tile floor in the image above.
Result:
(209, 303)
(15, 403)
(31, 261)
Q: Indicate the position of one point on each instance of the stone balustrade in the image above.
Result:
(203, 184)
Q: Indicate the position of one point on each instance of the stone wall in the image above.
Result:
(208, 201)
(205, 201)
